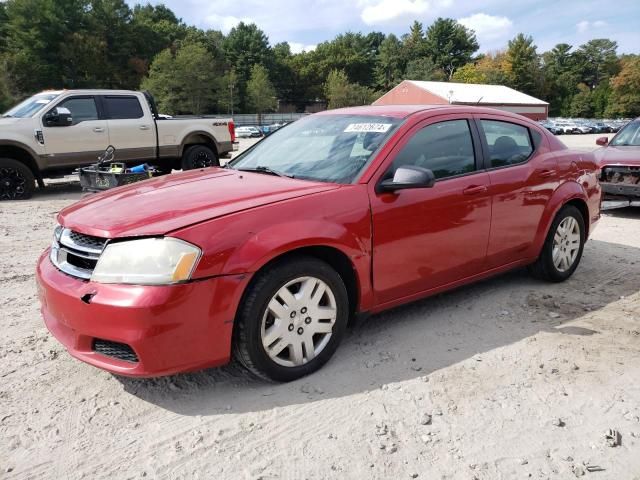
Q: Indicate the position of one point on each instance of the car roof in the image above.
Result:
(404, 111)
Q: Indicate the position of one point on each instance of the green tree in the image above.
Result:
(391, 65)
(625, 89)
(184, 82)
(561, 78)
(523, 65)
(582, 103)
(341, 93)
(260, 91)
(450, 45)
(245, 46)
(414, 43)
(424, 69)
(597, 61)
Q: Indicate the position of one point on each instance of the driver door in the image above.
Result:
(425, 238)
(81, 142)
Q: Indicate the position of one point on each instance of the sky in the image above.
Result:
(304, 24)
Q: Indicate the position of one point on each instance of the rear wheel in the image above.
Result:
(291, 320)
(16, 180)
(199, 156)
(563, 247)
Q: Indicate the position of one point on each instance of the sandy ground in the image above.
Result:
(508, 378)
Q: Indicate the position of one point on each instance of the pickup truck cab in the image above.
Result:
(54, 132)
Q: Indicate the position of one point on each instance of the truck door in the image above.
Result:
(131, 128)
(80, 142)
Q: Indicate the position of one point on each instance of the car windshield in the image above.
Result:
(628, 136)
(31, 105)
(325, 148)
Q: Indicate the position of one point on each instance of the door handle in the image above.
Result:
(98, 129)
(474, 189)
(144, 127)
(547, 173)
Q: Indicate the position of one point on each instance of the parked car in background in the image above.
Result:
(52, 133)
(552, 127)
(568, 127)
(619, 160)
(600, 127)
(248, 132)
(343, 213)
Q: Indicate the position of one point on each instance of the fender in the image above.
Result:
(567, 191)
(243, 243)
(36, 160)
(197, 133)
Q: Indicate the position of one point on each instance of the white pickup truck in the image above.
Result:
(53, 132)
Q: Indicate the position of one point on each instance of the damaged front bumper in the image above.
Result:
(621, 182)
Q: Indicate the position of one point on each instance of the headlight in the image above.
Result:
(149, 261)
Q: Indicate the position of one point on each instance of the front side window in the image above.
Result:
(445, 148)
(325, 148)
(628, 136)
(122, 108)
(82, 109)
(509, 144)
(31, 106)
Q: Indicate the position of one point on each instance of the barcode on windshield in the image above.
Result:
(368, 127)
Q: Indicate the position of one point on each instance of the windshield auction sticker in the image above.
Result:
(368, 127)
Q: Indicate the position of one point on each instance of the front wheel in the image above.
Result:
(16, 180)
(199, 156)
(291, 319)
(563, 247)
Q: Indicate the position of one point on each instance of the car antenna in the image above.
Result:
(479, 100)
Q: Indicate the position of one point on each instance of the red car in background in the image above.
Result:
(619, 160)
(345, 212)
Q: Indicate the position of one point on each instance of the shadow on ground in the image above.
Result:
(416, 339)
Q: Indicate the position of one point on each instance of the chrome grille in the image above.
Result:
(76, 254)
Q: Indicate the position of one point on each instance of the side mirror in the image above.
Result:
(408, 177)
(58, 117)
(602, 141)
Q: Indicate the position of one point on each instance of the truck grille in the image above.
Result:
(121, 351)
(77, 254)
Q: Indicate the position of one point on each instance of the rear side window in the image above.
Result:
(121, 108)
(509, 144)
(445, 148)
(82, 109)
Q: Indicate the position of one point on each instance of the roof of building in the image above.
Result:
(477, 93)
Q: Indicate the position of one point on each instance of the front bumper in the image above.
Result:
(171, 329)
(621, 190)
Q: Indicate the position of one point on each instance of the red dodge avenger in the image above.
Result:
(342, 213)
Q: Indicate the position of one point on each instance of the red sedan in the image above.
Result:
(620, 164)
(342, 213)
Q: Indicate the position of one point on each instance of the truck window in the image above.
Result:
(82, 108)
(121, 108)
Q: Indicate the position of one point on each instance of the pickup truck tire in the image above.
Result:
(199, 156)
(16, 180)
(563, 247)
(312, 308)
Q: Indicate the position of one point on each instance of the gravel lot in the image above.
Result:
(508, 378)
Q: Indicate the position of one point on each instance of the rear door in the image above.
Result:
(523, 173)
(131, 128)
(81, 142)
(426, 238)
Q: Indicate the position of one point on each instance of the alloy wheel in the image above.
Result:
(566, 244)
(298, 321)
(12, 183)
(202, 160)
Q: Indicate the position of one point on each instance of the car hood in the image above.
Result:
(7, 121)
(612, 155)
(161, 205)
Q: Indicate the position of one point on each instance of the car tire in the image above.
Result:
(199, 156)
(562, 249)
(17, 181)
(299, 340)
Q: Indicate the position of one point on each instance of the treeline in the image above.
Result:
(106, 44)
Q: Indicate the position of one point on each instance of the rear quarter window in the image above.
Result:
(509, 143)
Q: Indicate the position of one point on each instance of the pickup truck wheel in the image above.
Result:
(16, 180)
(199, 156)
(563, 247)
(291, 319)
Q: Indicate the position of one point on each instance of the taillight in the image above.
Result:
(232, 131)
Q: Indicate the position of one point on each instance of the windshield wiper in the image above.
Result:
(267, 170)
